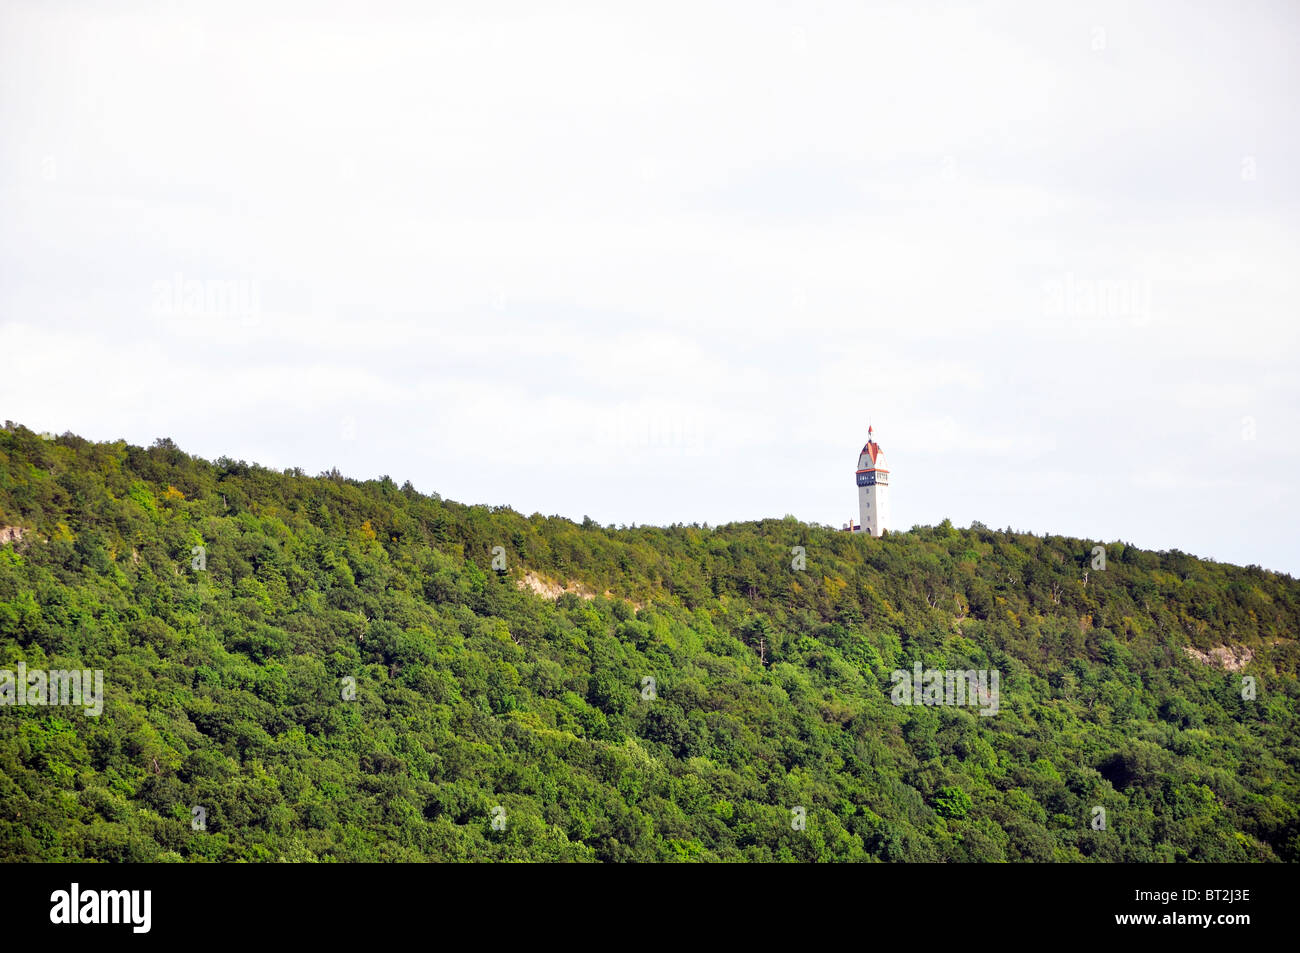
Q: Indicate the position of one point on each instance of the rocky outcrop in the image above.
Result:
(1230, 657)
(553, 590)
(548, 589)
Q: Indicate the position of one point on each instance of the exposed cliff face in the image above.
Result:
(552, 590)
(1231, 657)
(12, 534)
(548, 589)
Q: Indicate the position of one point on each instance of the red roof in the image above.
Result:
(872, 449)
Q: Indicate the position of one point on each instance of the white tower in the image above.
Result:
(873, 488)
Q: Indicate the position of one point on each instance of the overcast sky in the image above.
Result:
(665, 266)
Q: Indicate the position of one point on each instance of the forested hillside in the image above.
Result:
(495, 718)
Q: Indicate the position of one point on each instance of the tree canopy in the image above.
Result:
(324, 669)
